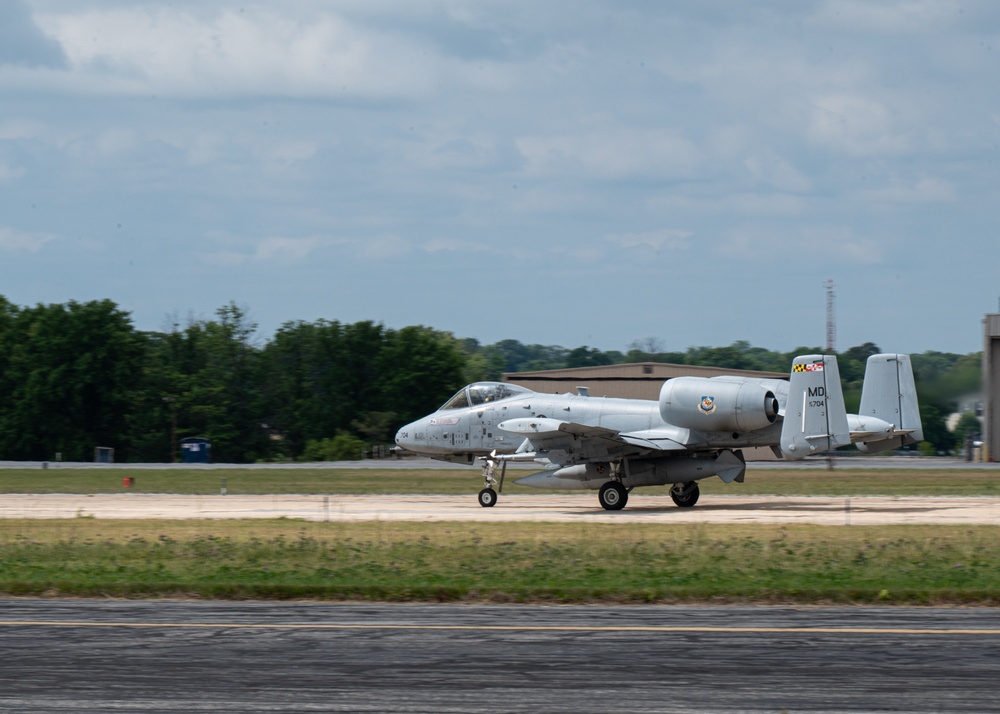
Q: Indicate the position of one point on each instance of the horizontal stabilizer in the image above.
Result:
(815, 417)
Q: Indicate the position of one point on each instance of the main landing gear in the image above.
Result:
(613, 496)
(685, 494)
(488, 496)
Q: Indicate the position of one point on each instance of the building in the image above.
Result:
(991, 386)
(641, 380)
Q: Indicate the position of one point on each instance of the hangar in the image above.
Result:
(991, 385)
(641, 380)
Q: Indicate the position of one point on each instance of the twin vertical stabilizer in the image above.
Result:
(815, 417)
(890, 394)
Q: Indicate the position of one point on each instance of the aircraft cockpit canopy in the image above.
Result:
(483, 393)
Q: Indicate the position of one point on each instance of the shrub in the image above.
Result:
(340, 448)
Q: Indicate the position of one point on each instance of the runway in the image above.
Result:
(116, 656)
(578, 508)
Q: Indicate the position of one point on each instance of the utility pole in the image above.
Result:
(172, 401)
(831, 319)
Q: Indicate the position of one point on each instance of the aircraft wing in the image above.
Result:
(546, 434)
(665, 439)
(544, 427)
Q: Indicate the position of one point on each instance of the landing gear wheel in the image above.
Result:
(685, 495)
(487, 498)
(613, 496)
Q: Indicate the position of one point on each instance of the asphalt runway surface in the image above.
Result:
(63, 656)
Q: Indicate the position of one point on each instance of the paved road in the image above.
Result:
(577, 508)
(123, 657)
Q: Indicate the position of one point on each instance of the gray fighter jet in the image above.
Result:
(695, 430)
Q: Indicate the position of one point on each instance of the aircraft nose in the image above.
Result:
(403, 437)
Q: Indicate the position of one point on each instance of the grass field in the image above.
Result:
(497, 562)
(501, 562)
(858, 482)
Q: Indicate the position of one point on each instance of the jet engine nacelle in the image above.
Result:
(715, 405)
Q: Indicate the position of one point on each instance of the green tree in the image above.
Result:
(207, 376)
(68, 376)
(325, 379)
(320, 377)
(418, 370)
(932, 419)
(586, 357)
(968, 425)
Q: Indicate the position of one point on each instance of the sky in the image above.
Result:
(564, 172)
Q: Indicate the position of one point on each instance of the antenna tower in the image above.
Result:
(831, 319)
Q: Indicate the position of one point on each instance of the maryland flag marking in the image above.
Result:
(815, 367)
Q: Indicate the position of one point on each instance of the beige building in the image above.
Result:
(642, 380)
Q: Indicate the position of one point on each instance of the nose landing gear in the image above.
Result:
(488, 496)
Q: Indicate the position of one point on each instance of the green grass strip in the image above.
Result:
(805, 482)
(501, 562)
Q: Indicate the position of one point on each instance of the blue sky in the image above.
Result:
(563, 172)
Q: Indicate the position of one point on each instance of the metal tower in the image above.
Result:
(831, 319)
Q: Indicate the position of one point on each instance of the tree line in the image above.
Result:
(75, 376)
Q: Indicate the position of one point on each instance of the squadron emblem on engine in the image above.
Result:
(707, 405)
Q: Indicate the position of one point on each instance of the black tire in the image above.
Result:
(688, 495)
(613, 496)
(487, 498)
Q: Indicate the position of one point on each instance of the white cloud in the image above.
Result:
(776, 171)
(925, 190)
(224, 258)
(382, 247)
(889, 16)
(20, 129)
(13, 241)
(855, 125)
(303, 50)
(106, 144)
(287, 250)
(829, 245)
(232, 52)
(611, 154)
(276, 250)
(729, 202)
(581, 252)
(454, 245)
(618, 153)
(10, 173)
(656, 241)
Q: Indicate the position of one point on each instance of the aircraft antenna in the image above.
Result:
(831, 319)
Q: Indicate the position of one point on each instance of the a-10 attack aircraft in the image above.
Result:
(695, 430)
